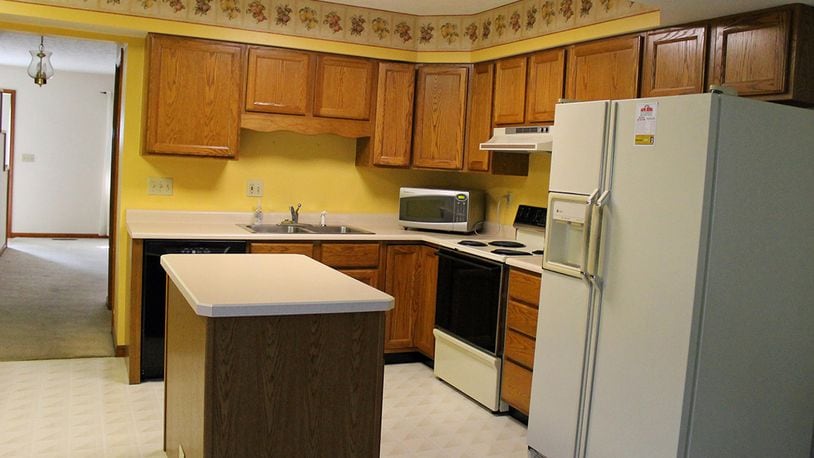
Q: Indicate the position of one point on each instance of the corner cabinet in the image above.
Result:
(604, 69)
(479, 126)
(674, 62)
(194, 95)
(767, 54)
(440, 117)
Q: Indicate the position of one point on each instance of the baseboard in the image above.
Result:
(121, 351)
(56, 235)
(3, 248)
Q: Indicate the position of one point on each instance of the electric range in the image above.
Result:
(529, 237)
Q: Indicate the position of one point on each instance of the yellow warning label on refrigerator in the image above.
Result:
(644, 132)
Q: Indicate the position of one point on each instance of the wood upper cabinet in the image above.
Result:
(343, 87)
(194, 95)
(546, 83)
(391, 141)
(402, 281)
(425, 313)
(278, 81)
(479, 126)
(440, 116)
(510, 91)
(674, 62)
(605, 69)
(767, 54)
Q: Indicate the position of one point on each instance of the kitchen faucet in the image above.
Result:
(295, 213)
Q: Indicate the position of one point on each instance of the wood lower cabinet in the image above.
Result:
(402, 281)
(604, 69)
(358, 260)
(194, 94)
(278, 81)
(767, 54)
(389, 146)
(440, 117)
(425, 314)
(305, 248)
(674, 62)
(521, 329)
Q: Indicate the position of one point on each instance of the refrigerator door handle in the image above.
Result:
(594, 234)
(586, 234)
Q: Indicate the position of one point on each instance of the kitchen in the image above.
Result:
(212, 185)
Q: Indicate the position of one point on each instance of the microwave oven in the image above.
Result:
(441, 209)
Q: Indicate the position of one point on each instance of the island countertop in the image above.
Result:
(234, 285)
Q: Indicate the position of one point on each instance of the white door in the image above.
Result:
(650, 253)
(579, 147)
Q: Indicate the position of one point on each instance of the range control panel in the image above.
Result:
(528, 215)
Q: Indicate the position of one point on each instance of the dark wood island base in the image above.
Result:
(272, 386)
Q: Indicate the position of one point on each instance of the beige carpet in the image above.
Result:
(52, 299)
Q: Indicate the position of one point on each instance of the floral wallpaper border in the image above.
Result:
(330, 21)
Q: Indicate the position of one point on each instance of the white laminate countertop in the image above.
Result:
(286, 284)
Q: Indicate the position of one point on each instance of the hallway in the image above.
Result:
(52, 299)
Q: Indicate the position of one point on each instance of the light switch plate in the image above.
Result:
(254, 188)
(159, 186)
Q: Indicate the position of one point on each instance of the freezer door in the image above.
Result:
(579, 147)
(558, 365)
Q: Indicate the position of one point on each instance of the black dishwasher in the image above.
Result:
(153, 294)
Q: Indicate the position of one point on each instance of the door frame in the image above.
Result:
(10, 134)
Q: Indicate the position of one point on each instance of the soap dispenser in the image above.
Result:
(258, 213)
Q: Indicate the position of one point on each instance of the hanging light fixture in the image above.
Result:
(40, 67)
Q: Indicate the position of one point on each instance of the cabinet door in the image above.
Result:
(606, 69)
(510, 91)
(343, 87)
(278, 81)
(750, 53)
(546, 83)
(440, 115)
(674, 62)
(479, 125)
(402, 281)
(425, 316)
(369, 276)
(393, 130)
(350, 255)
(194, 94)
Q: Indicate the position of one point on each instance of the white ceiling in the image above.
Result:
(68, 54)
(100, 57)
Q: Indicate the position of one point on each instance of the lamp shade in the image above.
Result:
(40, 67)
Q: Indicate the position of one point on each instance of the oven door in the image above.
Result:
(468, 304)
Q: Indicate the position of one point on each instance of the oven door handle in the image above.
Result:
(460, 258)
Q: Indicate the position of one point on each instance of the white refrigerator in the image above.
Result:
(677, 298)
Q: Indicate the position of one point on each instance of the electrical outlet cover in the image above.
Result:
(159, 186)
(254, 188)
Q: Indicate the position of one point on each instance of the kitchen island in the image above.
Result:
(271, 356)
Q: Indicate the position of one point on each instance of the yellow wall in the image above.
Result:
(318, 171)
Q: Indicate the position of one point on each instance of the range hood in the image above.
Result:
(533, 139)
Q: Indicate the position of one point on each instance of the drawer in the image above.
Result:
(521, 318)
(350, 254)
(282, 248)
(519, 348)
(515, 388)
(369, 276)
(524, 286)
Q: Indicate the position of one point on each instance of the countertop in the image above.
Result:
(285, 284)
(174, 225)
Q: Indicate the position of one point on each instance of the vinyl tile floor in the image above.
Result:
(85, 408)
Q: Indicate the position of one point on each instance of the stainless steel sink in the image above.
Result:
(301, 229)
(275, 229)
(338, 230)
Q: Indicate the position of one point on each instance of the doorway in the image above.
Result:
(62, 178)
